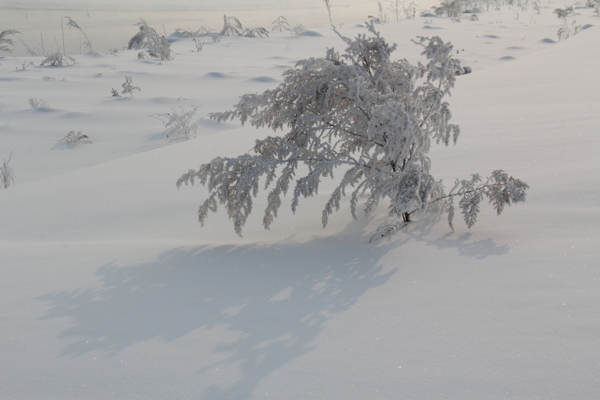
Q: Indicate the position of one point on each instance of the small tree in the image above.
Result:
(359, 112)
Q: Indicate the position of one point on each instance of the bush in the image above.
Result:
(359, 112)
(180, 126)
(147, 38)
(73, 139)
(58, 60)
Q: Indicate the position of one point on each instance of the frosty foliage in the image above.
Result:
(57, 60)
(180, 126)
(298, 30)
(35, 103)
(7, 176)
(233, 27)
(73, 139)
(280, 24)
(147, 38)
(6, 44)
(88, 42)
(190, 34)
(564, 13)
(128, 88)
(359, 112)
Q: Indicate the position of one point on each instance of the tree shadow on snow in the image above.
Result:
(275, 298)
(479, 249)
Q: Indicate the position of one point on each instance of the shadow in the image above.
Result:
(274, 298)
(478, 249)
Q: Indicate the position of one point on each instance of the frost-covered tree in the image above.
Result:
(361, 115)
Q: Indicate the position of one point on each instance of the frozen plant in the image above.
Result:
(199, 45)
(147, 38)
(180, 126)
(381, 17)
(128, 88)
(410, 11)
(568, 30)
(395, 7)
(58, 60)
(34, 103)
(537, 7)
(231, 26)
(254, 32)
(7, 176)
(361, 118)
(73, 139)
(115, 93)
(88, 42)
(190, 34)
(452, 8)
(280, 24)
(6, 44)
(564, 13)
(298, 30)
(24, 65)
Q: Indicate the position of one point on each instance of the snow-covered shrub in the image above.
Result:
(147, 38)
(254, 32)
(359, 113)
(34, 103)
(452, 8)
(7, 44)
(231, 26)
(73, 139)
(128, 88)
(180, 126)
(280, 24)
(58, 60)
(190, 34)
(7, 176)
(299, 30)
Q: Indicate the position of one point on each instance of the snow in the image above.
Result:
(111, 289)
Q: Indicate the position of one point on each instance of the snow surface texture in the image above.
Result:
(111, 289)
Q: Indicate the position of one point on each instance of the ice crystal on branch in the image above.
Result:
(359, 114)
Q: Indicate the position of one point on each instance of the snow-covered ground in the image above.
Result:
(111, 289)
